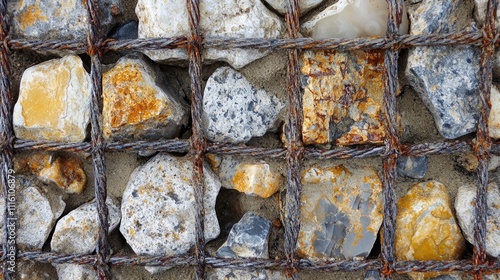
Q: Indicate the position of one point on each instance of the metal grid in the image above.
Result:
(294, 152)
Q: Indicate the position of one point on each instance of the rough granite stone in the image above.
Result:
(464, 206)
(426, 228)
(234, 111)
(445, 77)
(412, 167)
(221, 18)
(125, 31)
(372, 275)
(341, 212)
(139, 104)
(54, 101)
(245, 274)
(75, 272)
(31, 270)
(305, 5)
(253, 178)
(247, 239)
(494, 119)
(38, 207)
(77, 232)
(158, 207)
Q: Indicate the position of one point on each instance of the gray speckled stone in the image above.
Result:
(158, 207)
(372, 275)
(125, 31)
(446, 78)
(234, 111)
(75, 272)
(413, 167)
(248, 238)
(38, 208)
(247, 274)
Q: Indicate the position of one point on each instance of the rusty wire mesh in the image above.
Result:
(293, 153)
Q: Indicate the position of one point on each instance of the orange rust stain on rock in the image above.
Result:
(256, 179)
(31, 15)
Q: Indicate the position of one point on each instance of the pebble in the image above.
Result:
(341, 212)
(58, 19)
(372, 275)
(470, 162)
(465, 207)
(253, 178)
(412, 167)
(426, 228)
(219, 18)
(38, 207)
(234, 111)
(158, 207)
(139, 104)
(245, 274)
(247, 239)
(305, 5)
(75, 272)
(445, 77)
(77, 231)
(54, 101)
(125, 31)
(494, 119)
(31, 270)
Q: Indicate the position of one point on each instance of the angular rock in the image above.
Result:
(426, 228)
(138, 104)
(343, 97)
(234, 111)
(75, 272)
(305, 5)
(30, 270)
(445, 77)
(59, 19)
(54, 101)
(158, 207)
(341, 212)
(221, 18)
(127, 31)
(494, 119)
(465, 207)
(77, 232)
(412, 167)
(253, 178)
(38, 208)
(248, 238)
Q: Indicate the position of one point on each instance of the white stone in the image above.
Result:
(75, 272)
(54, 101)
(494, 119)
(305, 5)
(221, 18)
(234, 111)
(38, 207)
(465, 207)
(158, 207)
(352, 19)
(77, 232)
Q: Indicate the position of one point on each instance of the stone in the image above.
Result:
(126, 31)
(158, 207)
(341, 212)
(59, 19)
(470, 162)
(245, 274)
(426, 228)
(445, 77)
(38, 208)
(247, 239)
(480, 12)
(412, 167)
(352, 19)
(494, 119)
(77, 232)
(305, 5)
(234, 111)
(253, 178)
(65, 170)
(221, 18)
(31, 270)
(372, 275)
(343, 97)
(138, 104)
(75, 272)
(54, 101)
(465, 207)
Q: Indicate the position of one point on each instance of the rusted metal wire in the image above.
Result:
(293, 153)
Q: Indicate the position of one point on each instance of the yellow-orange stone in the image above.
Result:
(54, 101)
(426, 227)
(256, 179)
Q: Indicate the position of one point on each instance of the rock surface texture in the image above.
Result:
(222, 18)
(445, 77)
(38, 208)
(341, 212)
(494, 119)
(426, 228)
(465, 206)
(412, 167)
(305, 5)
(54, 101)
(234, 111)
(158, 207)
(75, 272)
(139, 104)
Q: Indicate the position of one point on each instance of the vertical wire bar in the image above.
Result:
(483, 140)
(6, 134)
(94, 43)
(294, 148)
(392, 139)
(198, 142)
